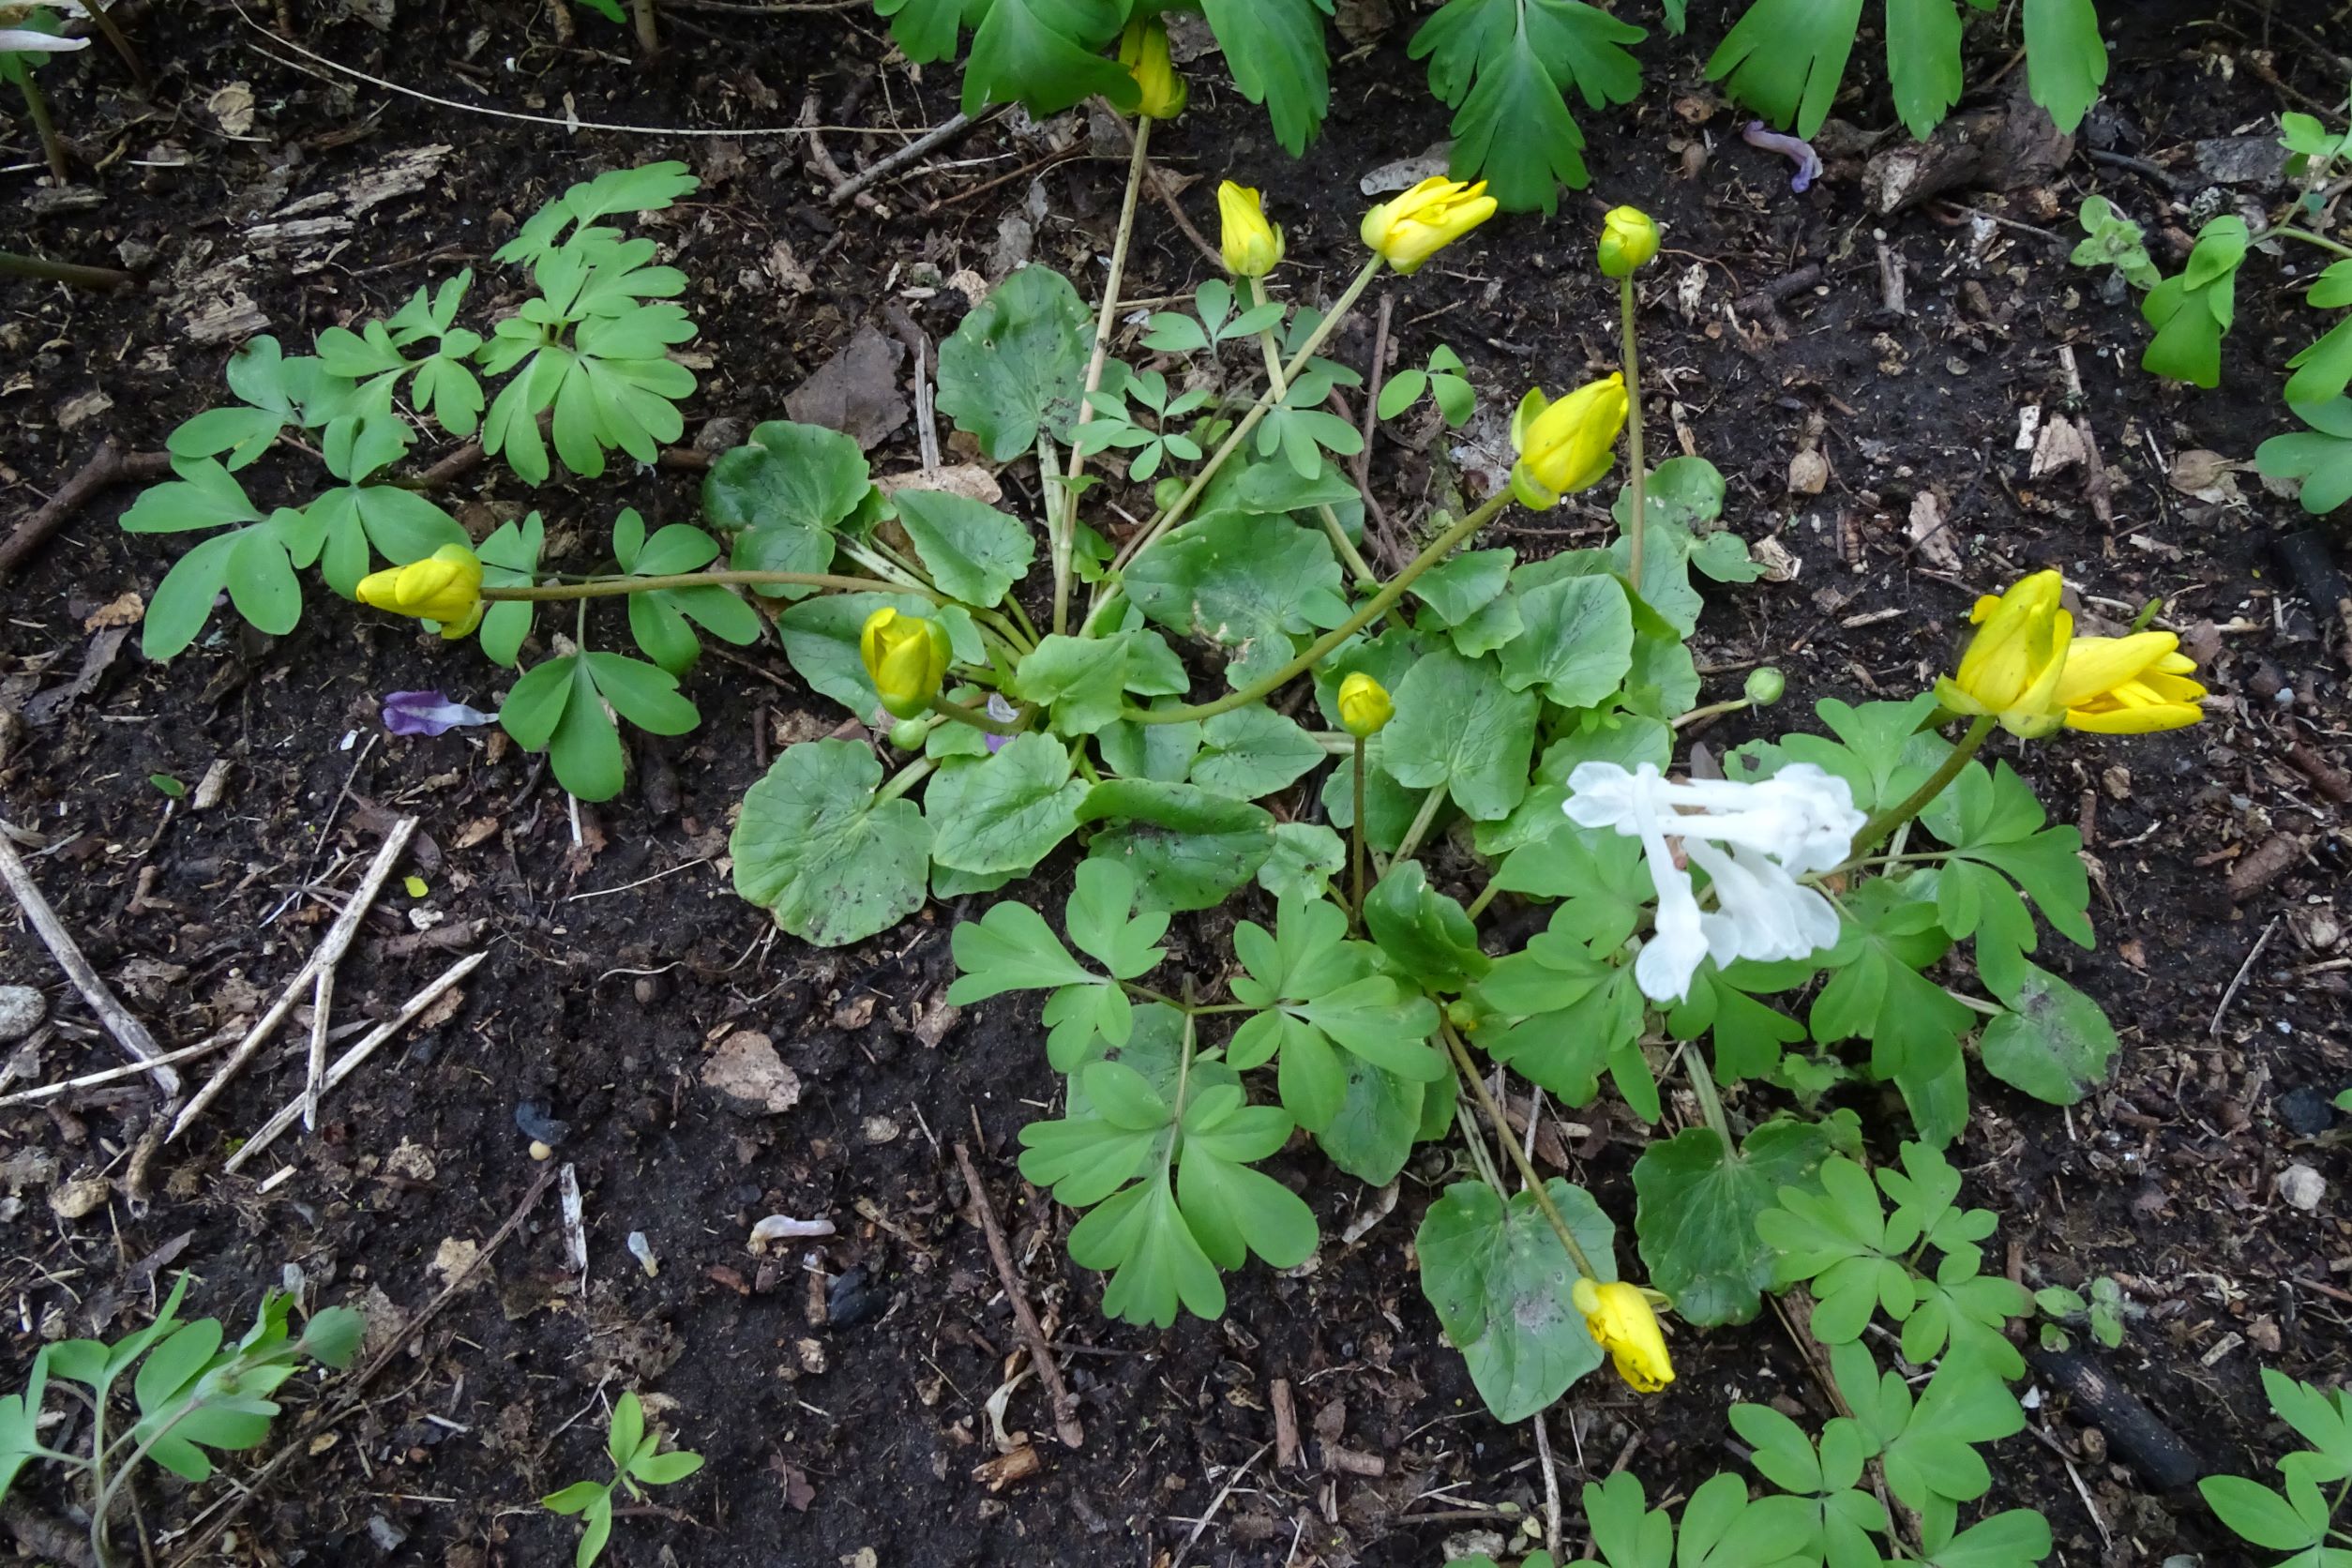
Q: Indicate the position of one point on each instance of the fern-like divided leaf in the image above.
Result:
(1505, 67)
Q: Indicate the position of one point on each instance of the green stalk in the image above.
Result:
(1264, 405)
(1882, 822)
(1485, 897)
(1420, 829)
(618, 587)
(1518, 1155)
(1710, 1103)
(1365, 577)
(904, 779)
(1065, 534)
(2288, 231)
(37, 109)
(1641, 529)
(1372, 610)
(1357, 835)
(15, 265)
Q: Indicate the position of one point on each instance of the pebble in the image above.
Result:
(21, 1010)
(541, 1152)
(2306, 1111)
(2302, 1187)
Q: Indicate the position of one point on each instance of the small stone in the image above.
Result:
(84, 1195)
(540, 1151)
(880, 1129)
(2306, 1113)
(745, 1069)
(21, 1010)
(812, 1355)
(2299, 1183)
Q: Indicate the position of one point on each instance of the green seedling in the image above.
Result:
(637, 1463)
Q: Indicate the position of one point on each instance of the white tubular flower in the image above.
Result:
(1800, 821)
(26, 41)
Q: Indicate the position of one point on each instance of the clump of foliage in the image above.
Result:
(190, 1396)
(638, 1462)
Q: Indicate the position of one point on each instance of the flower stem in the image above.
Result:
(1518, 1155)
(1357, 835)
(2288, 231)
(37, 109)
(1712, 710)
(1486, 896)
(1065, 534)
(1640, 526)
(1420, 829)
(617, 587)
(904, 779)
(1365, 577)
(1264, 405)
(15, 265)
(980, 719)
(1372, 610)
(1710, 1103)
(1874, 831)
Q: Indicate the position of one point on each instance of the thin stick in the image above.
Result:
(321, 1000)
(352, 1059)
(121, 42)
(109, 464)
(883, 168)
(329, 953)
(113, 1075)
(2237, 982)
(1065, 1421)
(37, 109)
(1218, 1501)
(1551, 1478)
(1372, 415)
(128, 1032)
(102, 277)
(1175, 209)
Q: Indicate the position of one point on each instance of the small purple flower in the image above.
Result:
(1002, 711)
(1795, 150)
(428, 713)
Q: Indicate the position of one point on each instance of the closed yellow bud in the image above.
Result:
(1144, 50)
(2129, 685)
(1629, 238)
(2014, 665)
(445, 586)
(1426, 219)
(1365, 708)
(906, 657)
(1252, 247)
(1619, 1318)
(1568, 445)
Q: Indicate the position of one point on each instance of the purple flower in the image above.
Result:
(1003, 713)
(1795, 150)
(428, 713)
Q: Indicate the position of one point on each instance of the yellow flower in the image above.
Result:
(1365, 708)
(1144, 50)
(445, 586)
(1619, 1318)
(2129, 685)
(906, 657)
(2013, 666)
(1567, 445)
(1426, 219)
(1629, 237)
(1252, 247)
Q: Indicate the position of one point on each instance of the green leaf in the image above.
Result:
(1923, 61)
(1460, 586)
(1749, 1036)
(1578, 643)
(1234, 1210)
(1877, 993)
(2261, 1515)
(973, 551)
(1423, 931)
(1250, 752)
(1248, 583)
(1102, 922)
(2320, 457)
(1007, 812)
(666, 1469)
(1156, 1262)
(1188, 848)
(1372, 1133)
(628, 1430)
(574, 1497)
(1499, 1278)
(820, 637)
(1083, 680)
(2055, 1044)
(1563, 1013)
(1307, 857)
(789, 488)
(814, 848)
(510, 559)
(1459, 727)
(1018, 362)
(1697, 1209)
(2066, 59)
(1505, 67)
(1786, 58)
(1275, 51)
(1994, 825)
(2191, 313)
(2005, 1540)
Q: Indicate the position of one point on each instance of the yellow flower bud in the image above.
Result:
(2129, 685)
(1629, 238)
(445, 586)
(1365, 708)
(1144, 50)
(1426, 219)
(1619, 1318)
(1252, 247)
(1568, 445)
(2014, 665)
(906, 657)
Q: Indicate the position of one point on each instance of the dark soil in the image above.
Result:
(838, 1389)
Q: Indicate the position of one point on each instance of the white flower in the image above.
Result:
(26, 41)
(1800, 821)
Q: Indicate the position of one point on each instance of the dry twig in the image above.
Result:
(128, 1032)
(1065, 1421)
